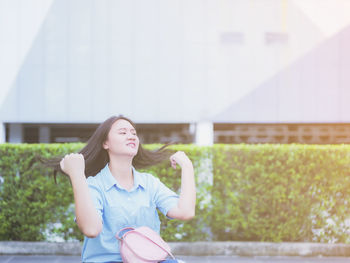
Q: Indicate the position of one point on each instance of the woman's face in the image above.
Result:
(122, 139)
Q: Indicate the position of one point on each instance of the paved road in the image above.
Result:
(76, 259)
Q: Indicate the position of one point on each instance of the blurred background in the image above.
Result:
(195, 71)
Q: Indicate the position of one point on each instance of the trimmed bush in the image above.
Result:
(34, 208)
(30, 201)
(281, 193)
(258, 193)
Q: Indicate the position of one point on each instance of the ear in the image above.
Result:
(105, 146)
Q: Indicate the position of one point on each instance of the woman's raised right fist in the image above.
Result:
(73, 164)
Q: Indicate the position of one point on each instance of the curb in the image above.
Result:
(39, 248)
(248, 249)
(251, 249)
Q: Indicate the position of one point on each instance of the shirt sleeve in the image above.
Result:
(95, 195)
(165, 198)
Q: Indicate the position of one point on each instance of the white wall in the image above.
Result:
(172, 61)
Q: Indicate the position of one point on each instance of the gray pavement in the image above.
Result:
(187, 259)
(195, 252)
(197, 249)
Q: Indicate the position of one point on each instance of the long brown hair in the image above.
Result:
(96, 157)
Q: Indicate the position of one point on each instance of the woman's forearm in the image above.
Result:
(88, 220)
(187, 200)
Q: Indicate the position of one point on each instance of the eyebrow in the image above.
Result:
(132, 129)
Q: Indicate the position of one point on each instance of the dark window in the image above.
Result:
(282, 133)
(71, 132)
(148, 133)
(164, 133)
(31, 134)
(7, 132)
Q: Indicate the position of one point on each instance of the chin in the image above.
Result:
(132, 154)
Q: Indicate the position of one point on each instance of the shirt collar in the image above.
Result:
(109, 181)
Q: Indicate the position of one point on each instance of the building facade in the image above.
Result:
(191, 71)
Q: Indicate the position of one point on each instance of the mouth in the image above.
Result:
(132, 145)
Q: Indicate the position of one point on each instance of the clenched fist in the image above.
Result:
(73, 164)
(181, 159)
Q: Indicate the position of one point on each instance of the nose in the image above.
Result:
(132, 136)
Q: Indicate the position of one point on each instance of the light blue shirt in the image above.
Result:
(120, 208)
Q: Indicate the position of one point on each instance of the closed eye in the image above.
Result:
(125, 133)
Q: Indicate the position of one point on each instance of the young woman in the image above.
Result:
(110, 194)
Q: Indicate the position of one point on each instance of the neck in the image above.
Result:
(121, 168)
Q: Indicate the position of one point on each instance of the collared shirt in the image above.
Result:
(120, 208)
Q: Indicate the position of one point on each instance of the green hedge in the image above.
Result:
(33, 207)
(259, 193)
(30, 201)
(281, 193)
